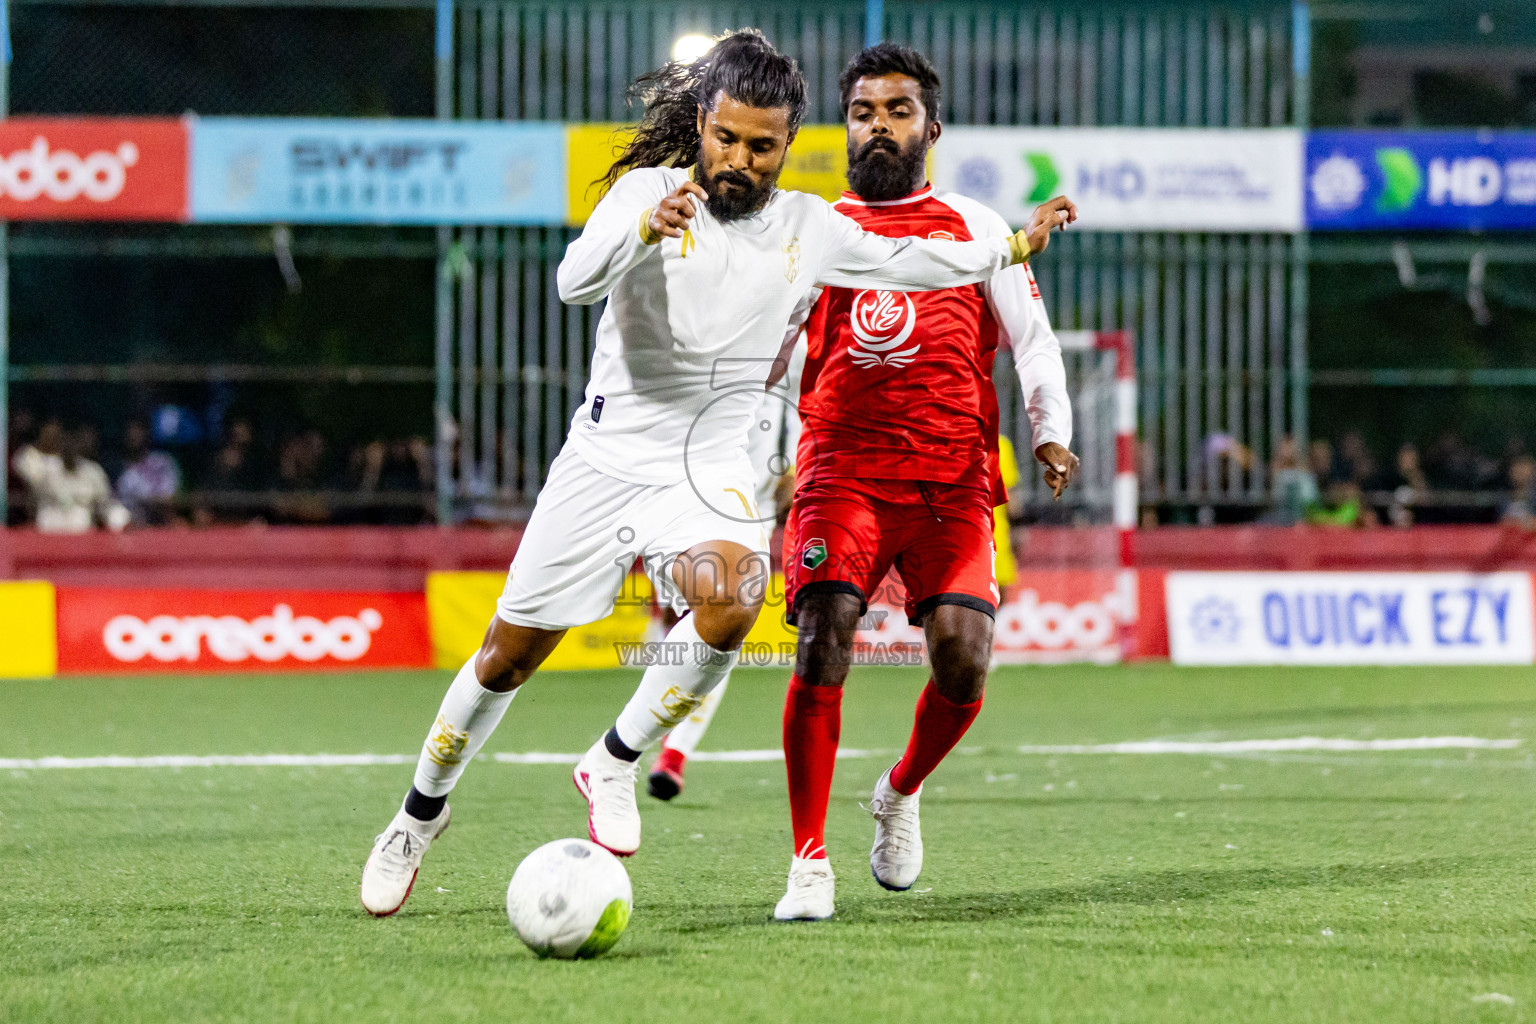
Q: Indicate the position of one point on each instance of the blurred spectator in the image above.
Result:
(1342, 505)
(1451, 464)
(1408, 484)
(1520, 508)
(1222, 453)
(1295, 485)
(1320, 462)
(400, 466)
(69, 493)
(1355, 462)
(149, 480)
(22, 426)
(301, 473)
(233, 466)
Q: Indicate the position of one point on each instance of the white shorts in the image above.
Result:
(588, 528)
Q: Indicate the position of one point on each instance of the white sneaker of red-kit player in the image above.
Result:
(608, 783)
(897, 857)
(809, 894)
(396, 857)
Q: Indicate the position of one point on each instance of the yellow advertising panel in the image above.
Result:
(817, 162)
(590, 150)
(28, 625)
(460, 606)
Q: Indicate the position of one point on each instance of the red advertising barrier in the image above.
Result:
(103, 630)
(82, 168)
(1051, 615)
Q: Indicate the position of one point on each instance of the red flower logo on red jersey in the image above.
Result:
(882, 322)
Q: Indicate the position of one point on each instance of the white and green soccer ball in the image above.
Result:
(570, 899)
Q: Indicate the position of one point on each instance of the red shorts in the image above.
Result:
(844, 535)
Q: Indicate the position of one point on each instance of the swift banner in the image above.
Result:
(107, 630)
(318, 171)
(1465, 181)
(1132, 179)
(93, 169)
(1345, 618)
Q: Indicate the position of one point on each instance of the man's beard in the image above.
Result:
(735, 203)
(883, 170)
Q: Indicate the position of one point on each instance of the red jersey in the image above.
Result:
(898, 385)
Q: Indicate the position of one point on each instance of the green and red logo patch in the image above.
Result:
(814, 553)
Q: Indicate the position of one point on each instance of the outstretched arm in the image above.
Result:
(858, 259)
(1020, 312)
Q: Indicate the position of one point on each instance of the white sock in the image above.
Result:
(670, 693)
(685, 738)
(468, 716)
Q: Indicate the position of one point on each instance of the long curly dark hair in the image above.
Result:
(742, 64)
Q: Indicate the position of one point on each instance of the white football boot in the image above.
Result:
(897, 857)
(608, 783)
(396, 857)
(809, 896)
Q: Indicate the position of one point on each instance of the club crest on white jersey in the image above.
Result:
(882, 322)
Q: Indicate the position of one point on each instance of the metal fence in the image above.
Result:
(1218, 318)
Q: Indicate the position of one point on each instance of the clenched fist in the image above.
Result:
(1036, 235)
(669, 218)
(1060, 466)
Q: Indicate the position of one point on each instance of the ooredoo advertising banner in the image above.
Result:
(1465, 181)
(93, 169)
(107, 630)
(1052, 616)
(334, 171)
(1132, 179)
(1344, 618)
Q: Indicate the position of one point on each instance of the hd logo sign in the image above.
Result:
(1433, 180)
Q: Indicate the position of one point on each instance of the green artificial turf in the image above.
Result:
(1374, 886)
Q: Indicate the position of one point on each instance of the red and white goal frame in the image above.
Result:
(1071, 567)
(1121, 344)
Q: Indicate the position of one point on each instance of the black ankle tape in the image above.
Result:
(617, 747)
(422, 807)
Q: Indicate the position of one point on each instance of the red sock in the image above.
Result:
(937, 727)
(813, 720)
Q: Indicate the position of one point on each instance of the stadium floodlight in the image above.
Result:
(691, 47)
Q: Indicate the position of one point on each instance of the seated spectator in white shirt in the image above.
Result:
(71, 494)
(149, 480)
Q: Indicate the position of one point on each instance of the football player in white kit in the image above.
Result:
(771, 444)
(703, 264)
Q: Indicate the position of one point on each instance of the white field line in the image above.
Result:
(1301, 743)
(1277, 746)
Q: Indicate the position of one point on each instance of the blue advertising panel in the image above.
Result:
(339, 171)
(1461, 180)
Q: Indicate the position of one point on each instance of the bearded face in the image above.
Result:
(741, 152)
(733, 195)
(882, 169)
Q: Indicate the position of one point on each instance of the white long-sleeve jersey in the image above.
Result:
(693, 324)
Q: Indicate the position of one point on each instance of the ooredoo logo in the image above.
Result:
(63, 175)
(268, 638)
(1058, 625)
(882, 322)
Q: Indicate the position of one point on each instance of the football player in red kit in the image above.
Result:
(897, 466)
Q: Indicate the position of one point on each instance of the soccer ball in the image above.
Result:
(569, 899)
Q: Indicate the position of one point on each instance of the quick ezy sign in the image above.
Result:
(1350, 618)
